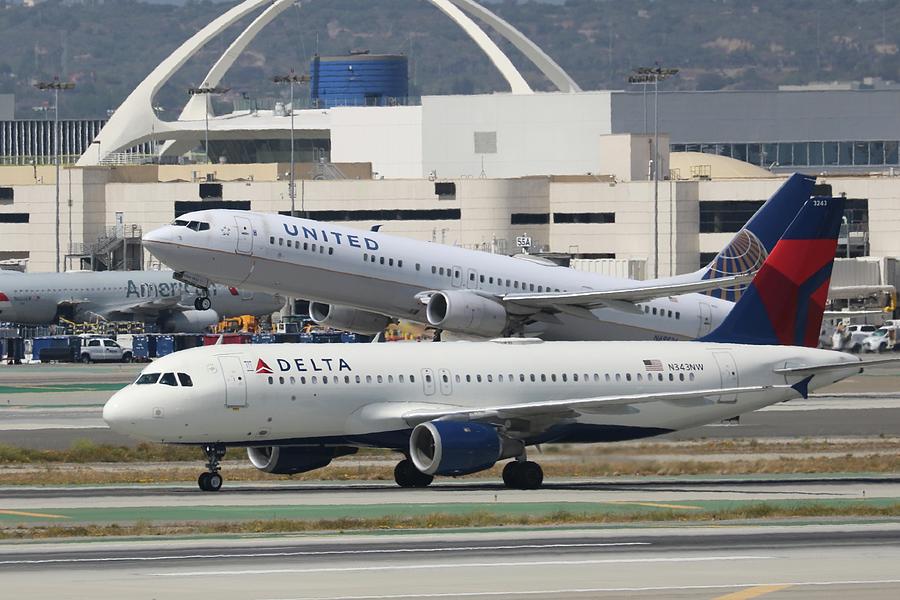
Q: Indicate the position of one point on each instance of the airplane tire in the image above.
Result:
(526, 475)
(203, 482)
(202, 303)
(408, 476)
(511, 475)
(214, 482)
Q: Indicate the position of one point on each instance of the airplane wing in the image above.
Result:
(561, 409)
(148, 307)
(623, 298)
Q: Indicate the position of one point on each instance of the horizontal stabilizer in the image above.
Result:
(836, 366)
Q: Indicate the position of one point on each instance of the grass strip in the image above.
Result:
(475, 519)
(61, 387)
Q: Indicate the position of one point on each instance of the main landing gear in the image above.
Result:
(203, 302)
(408, 476)
(211, 481)
(522, 474)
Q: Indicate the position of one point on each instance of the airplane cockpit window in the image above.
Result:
(147, 379)
(185, 380)
(180, 223)
(168, 379)
(198, 226)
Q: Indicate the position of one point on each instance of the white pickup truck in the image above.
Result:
(103, 350)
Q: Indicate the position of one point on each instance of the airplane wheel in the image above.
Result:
(525, 475)
(408, 476)
(532, 475)
(202, 303)
(203, 482)
(214, 482)
(511, 475)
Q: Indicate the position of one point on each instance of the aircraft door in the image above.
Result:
(244, 235)
(428, 382)
(705, 319)
(729, 375)
(457, 280)
(444, 380)
(235, 382)
(472, 279)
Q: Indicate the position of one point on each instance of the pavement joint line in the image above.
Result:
(557, 592)
(317, 553)
(470, 565)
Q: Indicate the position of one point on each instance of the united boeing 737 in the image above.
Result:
(147, 296)
(458, 408)
(361, 280)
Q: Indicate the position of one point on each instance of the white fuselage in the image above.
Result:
(356, 394)
(383, 274)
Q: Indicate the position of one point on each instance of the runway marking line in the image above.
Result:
(656, 505)
(19, 513)
(754, 592)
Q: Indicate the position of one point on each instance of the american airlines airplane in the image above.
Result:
(459, 408)
(361, 280)
(147, 296)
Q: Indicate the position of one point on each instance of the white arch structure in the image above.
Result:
(135, 122)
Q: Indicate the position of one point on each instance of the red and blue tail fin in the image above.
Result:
(748, 249)
(786, 300)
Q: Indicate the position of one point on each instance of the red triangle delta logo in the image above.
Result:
(262, 367)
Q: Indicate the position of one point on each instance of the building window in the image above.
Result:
(600, 217)
(529, 218)
(6, 194)
(445, 190)
(386, 214)
(726, 216)
(14, 217)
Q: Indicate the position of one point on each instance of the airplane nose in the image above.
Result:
(118, 414)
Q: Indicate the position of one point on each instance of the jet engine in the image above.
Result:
(189, 321)
(466, 312)
(289, 460)
(347, 319)
(458, 448)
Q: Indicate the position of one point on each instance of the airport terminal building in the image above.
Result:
(570, 170)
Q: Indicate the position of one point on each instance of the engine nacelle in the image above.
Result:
(347, 319)
(466, 312)
(189, 321)
(458, 448)
(289, 460)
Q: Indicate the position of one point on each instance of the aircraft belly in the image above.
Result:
(611, 325)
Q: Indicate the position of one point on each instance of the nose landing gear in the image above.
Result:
(211, 481)
(203, 302)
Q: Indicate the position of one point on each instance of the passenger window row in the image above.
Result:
(661, 312)
(295, 244)
(484, 378)
(390, 262)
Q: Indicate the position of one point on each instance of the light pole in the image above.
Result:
(205, 91)
(291, 79)
(56, 85)
(654, 75)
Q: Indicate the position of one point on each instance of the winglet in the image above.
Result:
(802, 386)
(375, 228)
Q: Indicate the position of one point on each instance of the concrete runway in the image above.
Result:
(732, 563)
